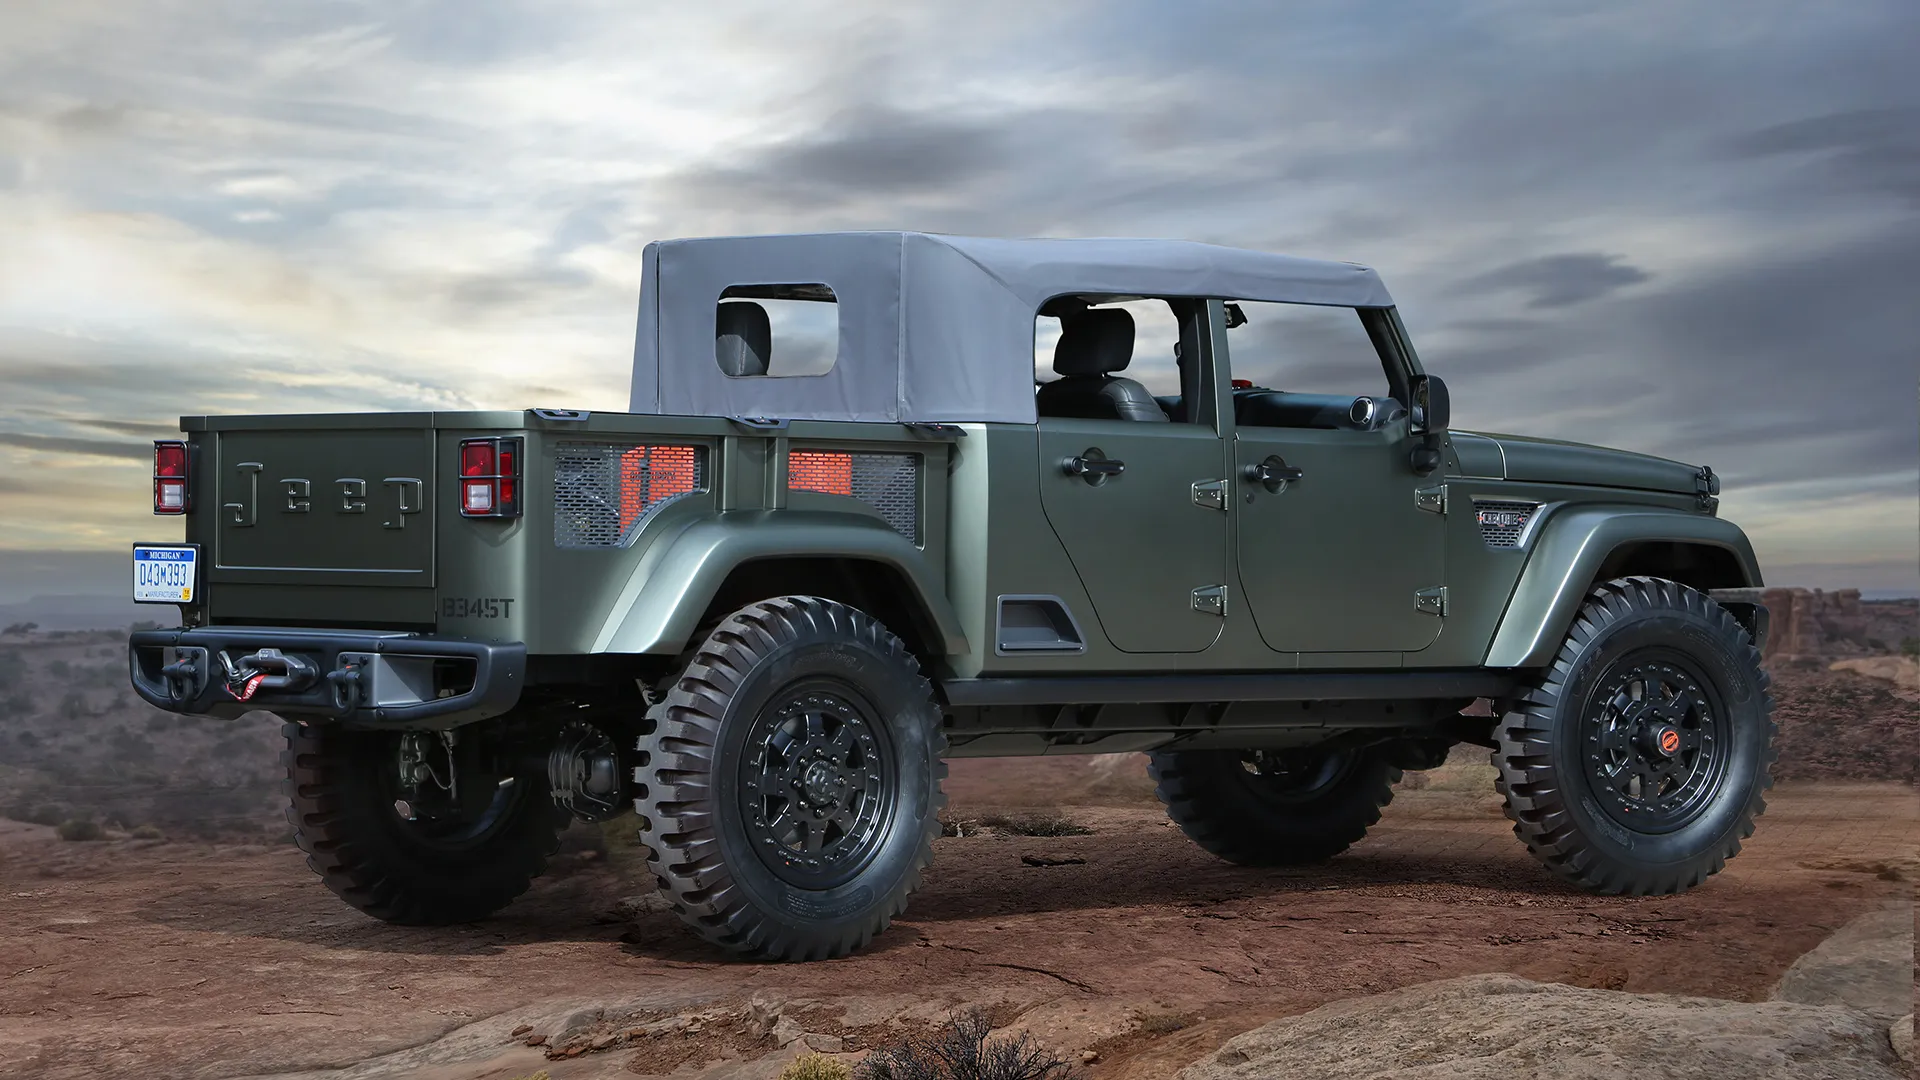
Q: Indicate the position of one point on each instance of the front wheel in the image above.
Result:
(791, 786)
(1639, 761)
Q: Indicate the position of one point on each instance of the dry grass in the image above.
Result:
(1035, 823)
(816, 1067)
(1158, 1024)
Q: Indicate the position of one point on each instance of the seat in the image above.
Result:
(742, 338)
(1094, 344)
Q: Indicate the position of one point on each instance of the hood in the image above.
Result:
(1550, 461)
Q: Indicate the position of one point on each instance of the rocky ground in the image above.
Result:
(157, 958)
(193, 942)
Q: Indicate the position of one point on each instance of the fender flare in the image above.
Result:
(1571, 547)
(660, 607)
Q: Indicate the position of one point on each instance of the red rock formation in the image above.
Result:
(1814, 624)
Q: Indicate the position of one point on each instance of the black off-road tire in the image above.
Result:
(390, 868)
(1565, 747)
(717, 738)
(1244, 817)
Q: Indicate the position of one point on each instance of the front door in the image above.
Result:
(1341, 544)
(1121, 497)
(1342, 559)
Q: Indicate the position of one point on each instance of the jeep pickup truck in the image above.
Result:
(761, 608)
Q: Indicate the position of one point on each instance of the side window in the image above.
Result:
(776, 331)
(1114, 340)
(1307, 366)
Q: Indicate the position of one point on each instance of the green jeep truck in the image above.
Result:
(763, 606)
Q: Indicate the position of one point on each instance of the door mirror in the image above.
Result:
(1430, 409)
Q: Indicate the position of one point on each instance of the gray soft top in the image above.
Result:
(932, 328)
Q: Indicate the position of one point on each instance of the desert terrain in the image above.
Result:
(190, 940)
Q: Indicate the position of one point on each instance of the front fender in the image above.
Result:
(661, 605)
(1569, 551)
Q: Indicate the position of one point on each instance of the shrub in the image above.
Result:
(59, 669)
(816, 1067)
(19, 629)
(148, 832)
(1910, 646)
(1036, 823)
(81, 829)
(962, 1049)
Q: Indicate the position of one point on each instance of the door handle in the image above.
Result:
(1273, 474)
(1093, 466)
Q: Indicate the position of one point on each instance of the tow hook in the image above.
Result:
(187, 675)
(345, 681)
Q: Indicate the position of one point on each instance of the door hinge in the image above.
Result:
(1432, 601)
(1432, 499)
(1212, 493)
(1210, 600)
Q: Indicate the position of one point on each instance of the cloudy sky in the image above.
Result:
(1690, 228)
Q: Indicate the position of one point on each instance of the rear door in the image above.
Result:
(1139, 505)
(1148, 553)
(325, 505)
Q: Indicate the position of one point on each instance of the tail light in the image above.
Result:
(170, 495)
(490, 478)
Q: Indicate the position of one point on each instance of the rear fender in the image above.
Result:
(1570, 553)
(660, 608)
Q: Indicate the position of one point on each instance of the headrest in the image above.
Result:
(742, 337)
(1098, 341)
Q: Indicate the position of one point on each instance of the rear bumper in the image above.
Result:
(355, 678)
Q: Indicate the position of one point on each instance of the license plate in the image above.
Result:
(165, 575)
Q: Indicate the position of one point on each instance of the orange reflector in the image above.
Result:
(820, 470)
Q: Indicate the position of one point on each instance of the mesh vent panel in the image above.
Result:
(890, 483)
(602, 491)
(1503, 523)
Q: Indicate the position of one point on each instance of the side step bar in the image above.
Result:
(1180, 689)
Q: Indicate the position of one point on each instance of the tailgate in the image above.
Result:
(321, 505)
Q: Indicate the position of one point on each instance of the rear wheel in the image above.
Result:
(791, 785)
(412, 829)
(1639, 761)
(1273, 807)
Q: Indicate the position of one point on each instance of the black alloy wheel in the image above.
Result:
(1640, 759)
(1657, 743)
(819, 785)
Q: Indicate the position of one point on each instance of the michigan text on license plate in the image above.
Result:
(164, 575)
